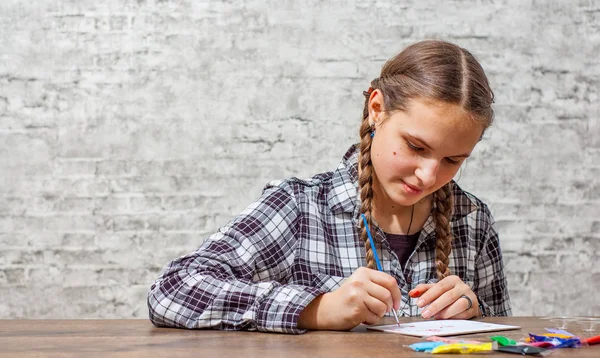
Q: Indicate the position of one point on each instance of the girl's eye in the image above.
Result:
(414, 147)
(451, 161)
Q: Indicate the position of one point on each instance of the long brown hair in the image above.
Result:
(434, 70)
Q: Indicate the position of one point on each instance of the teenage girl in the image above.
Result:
(300, 258)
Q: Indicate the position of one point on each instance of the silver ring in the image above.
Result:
(468, 299)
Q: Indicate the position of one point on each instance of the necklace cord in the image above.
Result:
(411, 219)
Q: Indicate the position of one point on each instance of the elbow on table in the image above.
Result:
(162, 310)
(156, 308)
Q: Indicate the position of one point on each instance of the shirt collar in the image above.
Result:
(343, 197)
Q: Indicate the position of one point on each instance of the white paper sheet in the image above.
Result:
(442, 328)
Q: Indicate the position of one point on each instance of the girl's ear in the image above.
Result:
(376, 107)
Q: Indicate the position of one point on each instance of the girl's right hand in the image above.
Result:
(362, 298)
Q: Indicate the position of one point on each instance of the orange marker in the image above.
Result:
(591, 340)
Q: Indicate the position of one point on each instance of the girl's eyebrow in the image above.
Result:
(422, 142)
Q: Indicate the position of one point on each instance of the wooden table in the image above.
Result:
(139, 338)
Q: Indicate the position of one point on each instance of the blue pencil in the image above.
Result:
(377, 259)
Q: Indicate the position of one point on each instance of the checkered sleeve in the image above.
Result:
(490, 281)
(237, 278)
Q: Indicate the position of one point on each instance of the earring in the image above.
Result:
(372, 130)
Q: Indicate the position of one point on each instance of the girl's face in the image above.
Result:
(417, 151)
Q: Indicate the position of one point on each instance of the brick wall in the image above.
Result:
(131, 130)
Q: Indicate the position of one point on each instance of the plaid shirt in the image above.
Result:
(300, 240)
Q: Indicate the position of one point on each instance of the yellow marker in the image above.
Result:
(463, 348)
(557, 335)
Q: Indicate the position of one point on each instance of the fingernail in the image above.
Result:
(425, 313)
(421, 303)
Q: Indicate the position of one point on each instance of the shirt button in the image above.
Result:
(409, 280)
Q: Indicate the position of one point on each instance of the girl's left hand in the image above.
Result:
(445, 299)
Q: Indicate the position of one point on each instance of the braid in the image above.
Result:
(365, 181)
(441, 214)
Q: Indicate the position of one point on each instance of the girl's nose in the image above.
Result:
(427, 172)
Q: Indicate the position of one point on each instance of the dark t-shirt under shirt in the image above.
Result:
(403, 245)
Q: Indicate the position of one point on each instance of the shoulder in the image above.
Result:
(298, 188)
(282, 201)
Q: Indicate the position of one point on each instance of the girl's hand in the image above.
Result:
(364, 297)
(445, 299)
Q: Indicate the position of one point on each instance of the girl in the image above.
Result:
(294, 259)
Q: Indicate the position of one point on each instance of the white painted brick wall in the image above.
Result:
(131, 130)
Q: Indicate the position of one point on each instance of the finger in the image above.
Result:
(444, 300)
(419, 290)
(380, 293)
(368, 316)
(371, 318)
(457, 310)
(436, 291)
(390, 283)
(376, 307)
(462, 315)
